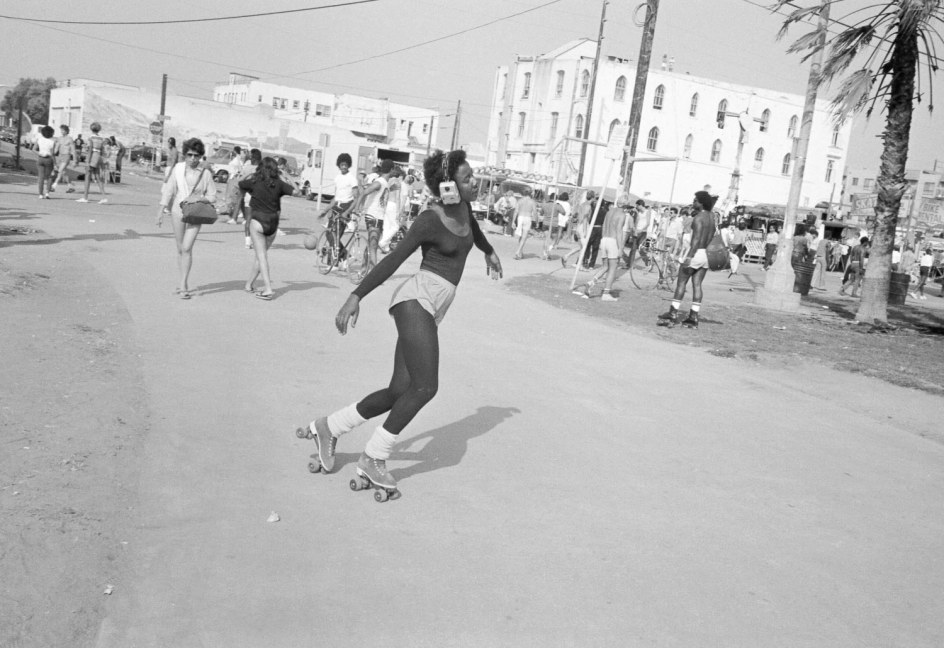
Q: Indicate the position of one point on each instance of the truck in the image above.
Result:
(318, 171)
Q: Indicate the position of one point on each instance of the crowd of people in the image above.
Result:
(100, 160)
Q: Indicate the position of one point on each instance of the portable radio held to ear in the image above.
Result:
(449, 193)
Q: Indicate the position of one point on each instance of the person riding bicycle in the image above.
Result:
(346, 190)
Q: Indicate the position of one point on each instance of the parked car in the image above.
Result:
(8, 134)
(145, 153)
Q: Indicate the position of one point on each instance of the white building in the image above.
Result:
(380, 120)
(541, 100)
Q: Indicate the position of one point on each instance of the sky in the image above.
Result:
(429, 53)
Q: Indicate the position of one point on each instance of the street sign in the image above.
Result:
(163, 118)
(156, 128)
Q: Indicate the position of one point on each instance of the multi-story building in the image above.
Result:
(689, 136)
(922, 205)
(380, 120)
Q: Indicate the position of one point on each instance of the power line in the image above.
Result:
(187, 20)
(434, 40)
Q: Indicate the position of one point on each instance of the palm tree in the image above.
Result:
(887, 46)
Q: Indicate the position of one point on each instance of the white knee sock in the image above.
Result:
(344, 420)
(380, 444)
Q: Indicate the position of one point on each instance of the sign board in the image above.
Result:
(863, 204)
(930, 211)
(156, 128)
(614, 148)
(163, 118)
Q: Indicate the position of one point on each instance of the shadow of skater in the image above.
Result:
(447, 444)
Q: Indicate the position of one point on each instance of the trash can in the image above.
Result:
(898, 288)
(804, 275)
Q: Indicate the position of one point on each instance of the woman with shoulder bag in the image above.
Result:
(188, 182)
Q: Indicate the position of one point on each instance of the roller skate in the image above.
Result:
(325, 442)
(691, 321)
(372, 473)
(669, 319)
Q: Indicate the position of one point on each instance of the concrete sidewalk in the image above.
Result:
(572, 484)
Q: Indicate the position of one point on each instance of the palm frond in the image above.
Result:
(853, 94)
(805, 42)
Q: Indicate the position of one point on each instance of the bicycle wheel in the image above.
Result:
(358, 261)
(325, 252)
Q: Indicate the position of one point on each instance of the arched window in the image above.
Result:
(716, 151)
(584, 83)
(578, 126)
(722, 108)
(559, 89)
(613, 125)
(526, 91)
(620, 93)
(785, 167)
(554, 117)
(687, 151)
(653, 141)
(765, 121)
(658, 98)
(829, 171)
(835, 140)
(759, 160)
(521, 118)
(693, 106)
(792, 128)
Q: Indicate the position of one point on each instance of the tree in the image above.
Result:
(35, 96)
(887, 46)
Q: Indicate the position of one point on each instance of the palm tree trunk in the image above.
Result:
(891, 179)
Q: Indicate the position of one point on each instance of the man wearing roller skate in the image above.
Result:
(695, 264)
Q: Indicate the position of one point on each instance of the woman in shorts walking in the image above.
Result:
(446, 234)
(266, 189)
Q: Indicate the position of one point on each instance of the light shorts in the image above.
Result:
(524, 225)
(700, 260)
(431, 291)
(562, 220)
(609, 248)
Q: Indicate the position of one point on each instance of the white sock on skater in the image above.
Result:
(380, 444)
(344, 420)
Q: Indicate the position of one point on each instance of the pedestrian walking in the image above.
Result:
(855, 269)
(265, 188)
(95, 163)
(445, 232)
(173, 157)
(820, 259)
(45, 162)
(924, 271)
(188, 181)
(65, 154)
(525, 210)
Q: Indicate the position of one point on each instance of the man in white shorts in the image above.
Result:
(695, 265)
(610, 248)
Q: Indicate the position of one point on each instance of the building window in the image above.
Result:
(584, 83)
(759, 160)
(855, 182)
(283, 103)
(928, 189)
(296, 104)
(620, 93)
(554, 118)
(716, 151)
(578, 127)
(559, 89)
(425, 127)
(687, 151)
(764, 121)
(792, 128)
(693, 106)
(275, 102)
(260, 98)
(868, 183)
(658, 98)
(521, 118)
(722, 109)
(613, 125)
(322, 110)
(835, 140)
(829, 171)
(653, 140)
(785, 167)
(526, 91)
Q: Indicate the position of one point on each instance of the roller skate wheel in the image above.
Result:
(355, 486)
(381, 496)
(314, 467)
(303, 433)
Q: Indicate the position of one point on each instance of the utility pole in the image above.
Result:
(777, 292)
(455, 126)
(639, 89)
(429, 136)
(19, 130)
(157, 153)
(593, 86)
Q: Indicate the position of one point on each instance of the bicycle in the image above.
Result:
(349, 256)
(662, 260)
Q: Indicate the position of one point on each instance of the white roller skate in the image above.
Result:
(325, 442)
(373, 473)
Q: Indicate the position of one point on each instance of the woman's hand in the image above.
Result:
(160, 216)
(493, 266)
(349, 312)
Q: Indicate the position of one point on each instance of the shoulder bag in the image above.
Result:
(198, 211)
(717, 252)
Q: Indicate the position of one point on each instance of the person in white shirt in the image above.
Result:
(373, 199)
(770, 245)
(924, 270)
(673, 233)
(345, 189)
(391, 217)
(45, 147)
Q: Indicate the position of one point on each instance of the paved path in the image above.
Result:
(552, 494)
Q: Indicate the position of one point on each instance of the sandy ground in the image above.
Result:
(578, 481)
